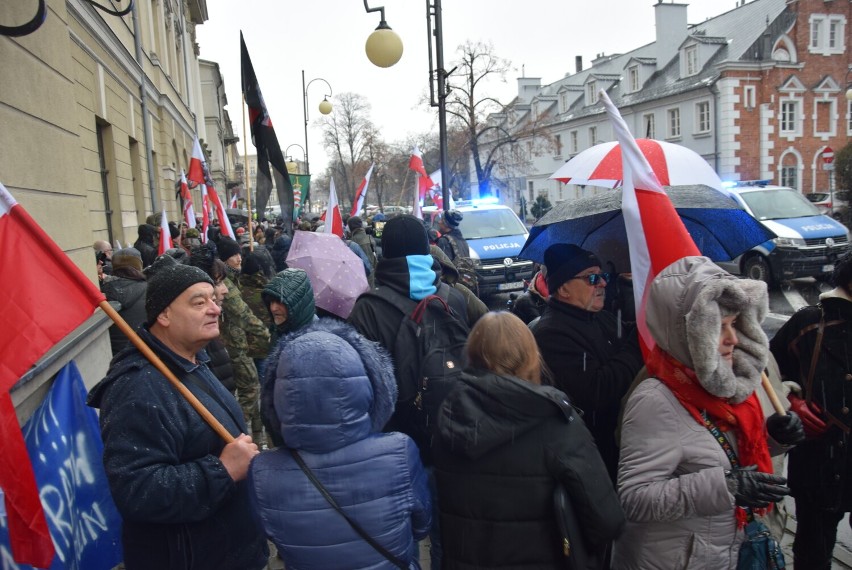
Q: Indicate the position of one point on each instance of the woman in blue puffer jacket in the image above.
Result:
(330, 392)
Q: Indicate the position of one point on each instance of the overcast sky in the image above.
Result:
(326, 38)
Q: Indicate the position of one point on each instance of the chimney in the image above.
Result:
(672, 29)
(578, 64)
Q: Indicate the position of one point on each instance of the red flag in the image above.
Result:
(165, 235)
(335, 224)
(224, 222)
(45, 297)
(233, 200)
(205, 213)
(415, 162)
(361, 192)
(656, 236)
(188, 211)
(197, 165)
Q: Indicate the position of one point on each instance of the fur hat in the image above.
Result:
(228, 248)
(564, 261)
(403, 236)
(127, 257)
(167, 283)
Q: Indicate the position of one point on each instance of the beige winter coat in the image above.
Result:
(671, 471)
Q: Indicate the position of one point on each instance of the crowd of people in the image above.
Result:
(423, 414)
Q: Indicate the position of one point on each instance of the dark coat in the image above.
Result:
(131, 294)
(820, 470)
(280, 249)
(458, 239)
(220, 364)
(590, 364)
(502, 447)
(181, 509)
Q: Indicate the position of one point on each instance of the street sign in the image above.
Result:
(827, 158)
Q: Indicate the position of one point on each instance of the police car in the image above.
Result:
(808, 242)
(495, 236)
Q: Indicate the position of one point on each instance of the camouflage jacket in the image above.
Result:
(242, 332)
(251, 286)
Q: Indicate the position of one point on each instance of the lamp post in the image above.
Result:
(848, 85)
(386, 52)
(293, 168)
(324, 108)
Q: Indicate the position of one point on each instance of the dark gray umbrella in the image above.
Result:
(719, 227)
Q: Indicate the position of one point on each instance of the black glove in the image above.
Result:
(786, 430)
(751, 488)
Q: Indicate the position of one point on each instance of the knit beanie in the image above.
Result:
(452, 218)
(127, 257)
(203, 256)
(228, 248)
(292, 288)
(354, 223)
(166, 285)
(564, 261)
(403, 236)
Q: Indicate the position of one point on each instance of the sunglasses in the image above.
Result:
(594, 278)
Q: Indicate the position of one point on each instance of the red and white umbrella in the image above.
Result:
(674, 165)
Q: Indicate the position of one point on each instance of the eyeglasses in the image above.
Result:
(594, 278)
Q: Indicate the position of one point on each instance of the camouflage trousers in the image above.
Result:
(248, 394)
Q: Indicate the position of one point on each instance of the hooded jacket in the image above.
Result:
(329, 392)
(280, 249)
(180, 507)
(671, 476)
(502, 447)
(292, 288)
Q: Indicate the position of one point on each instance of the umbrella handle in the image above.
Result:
(773, 397)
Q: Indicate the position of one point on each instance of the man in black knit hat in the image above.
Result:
(179, 488)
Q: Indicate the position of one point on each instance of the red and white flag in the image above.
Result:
(233, 200)
(361, 192)
(197, 165)
(656, 236)
(436, 192)
(333, 219)
(165, 235)
(415, 162)
(188, 211)
(45, 297)
(221, 215)
(205, 213)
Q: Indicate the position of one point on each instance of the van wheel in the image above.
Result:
(756, 267)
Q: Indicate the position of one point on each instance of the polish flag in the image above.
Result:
(233, 200)
(436, 191)
(656, 236)
(45, 297)
(415, 162)
(334, 225)
(165, 235)
(188, 211)
(197, 165)
(224, 222)
(205, 213)
(361, 192)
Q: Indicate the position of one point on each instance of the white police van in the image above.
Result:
(808, 243)
(495, 236)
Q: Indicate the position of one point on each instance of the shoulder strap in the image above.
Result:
(454, 246)
(728, 449)
(815, 357)
(355, 526)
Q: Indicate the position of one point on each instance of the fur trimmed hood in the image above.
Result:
(326, 387)
(686, 303)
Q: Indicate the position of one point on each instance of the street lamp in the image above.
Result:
(292, 165)
(381, 52)
(324, 108)
(383, 47)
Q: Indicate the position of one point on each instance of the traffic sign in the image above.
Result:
(827, 158)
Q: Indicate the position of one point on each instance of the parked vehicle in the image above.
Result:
(495, 236)
(836, 206)
(808, 243)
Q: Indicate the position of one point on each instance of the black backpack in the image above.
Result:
(428, 358)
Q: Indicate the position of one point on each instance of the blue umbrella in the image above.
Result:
(718, 226)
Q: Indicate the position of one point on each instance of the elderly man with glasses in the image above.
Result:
(592, 356)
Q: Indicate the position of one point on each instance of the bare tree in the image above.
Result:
(346, 135)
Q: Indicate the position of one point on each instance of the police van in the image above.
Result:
(808, 242)
(495, 236)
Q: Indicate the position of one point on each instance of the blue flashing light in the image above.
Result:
(742, 183)
(485, 201)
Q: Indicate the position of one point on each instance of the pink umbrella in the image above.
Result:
(337, 274)
(674, 165)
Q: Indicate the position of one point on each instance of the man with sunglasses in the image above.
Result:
(592, 356)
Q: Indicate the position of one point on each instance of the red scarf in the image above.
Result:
(746, 418)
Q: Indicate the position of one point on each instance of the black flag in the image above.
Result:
(264, 140)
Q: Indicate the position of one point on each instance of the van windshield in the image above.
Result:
(778, 204)
(479, 224)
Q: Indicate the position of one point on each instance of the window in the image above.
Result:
(650, 126)
(824, 121)
(849, 117)
(788, 176)
(574, 142)
(702, 117)
(633, 78)
(828, 34)
(789, 117)
(591, 92)
(673, 124)
(531, 190)
(563, 102)
(750, 96)
(593, 135)
(691, 60)
(816, 26)
(558, 145)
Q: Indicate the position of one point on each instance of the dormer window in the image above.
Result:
(691, 54)
(563, 102)
(591, 92)
(633, 78)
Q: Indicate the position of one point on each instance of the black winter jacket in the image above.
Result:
(131, 294)
(220, 364)
(502, 447)
(181, 509)
(592, 365)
